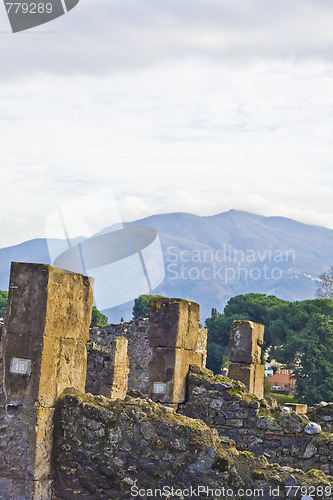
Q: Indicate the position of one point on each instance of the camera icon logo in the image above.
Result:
(87, 236)
(25, 15)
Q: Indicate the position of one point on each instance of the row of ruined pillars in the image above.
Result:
(43, 352)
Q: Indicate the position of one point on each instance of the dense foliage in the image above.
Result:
(98, 318)
(315, 371)
(3, 303)
(298, 334)
(141, 306)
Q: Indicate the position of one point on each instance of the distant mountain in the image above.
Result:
(210, 259)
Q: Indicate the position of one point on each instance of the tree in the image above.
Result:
(3, 303)
(283, 321)
(325, 285)
(98, 318)
(314, 375)
(141, 306)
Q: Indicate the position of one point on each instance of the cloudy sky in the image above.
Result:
(175, 105)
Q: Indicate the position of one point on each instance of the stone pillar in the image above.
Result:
(246, 339)
(107, 372)
(173, 336)
(199, 356)
(44, 351)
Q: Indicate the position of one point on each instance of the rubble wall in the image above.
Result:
(280, 436)
(114, 450)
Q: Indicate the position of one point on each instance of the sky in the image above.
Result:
(199, 106)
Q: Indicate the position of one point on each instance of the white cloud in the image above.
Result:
(108, 36)
(201, 105)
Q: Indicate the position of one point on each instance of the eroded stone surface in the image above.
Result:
(118, 446)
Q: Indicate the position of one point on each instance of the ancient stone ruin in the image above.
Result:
(43, 352)
(246, 339)
(116, 433)
(173, 336)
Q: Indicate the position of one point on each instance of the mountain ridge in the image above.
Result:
(248, 235)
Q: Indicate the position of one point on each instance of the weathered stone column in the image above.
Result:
(44, 351)
(173, 335)
(107, 373)
(246, 339)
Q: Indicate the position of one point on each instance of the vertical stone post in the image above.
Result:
(201, 350)
(107, 373)
(246, 339)
(173, 335)
(44, 351)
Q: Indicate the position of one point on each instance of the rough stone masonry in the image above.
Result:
(43, 351)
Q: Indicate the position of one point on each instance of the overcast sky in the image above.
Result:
(175, 105)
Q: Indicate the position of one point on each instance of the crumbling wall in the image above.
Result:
(139, 353)
(286, 438)
(116, 449)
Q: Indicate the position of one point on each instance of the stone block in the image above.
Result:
(68, 310)
(21, 346)
(298, 408)
(258, 384)
(246, 339)
(43, 443)
(252, 376)
(48, 299)
(198, 358)
(120, 368)
(202, 339)
(28, 290)
(243, 373)
(72, 366)
(173, 323)
(47, 324)
(168, 370)
(202, 347)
